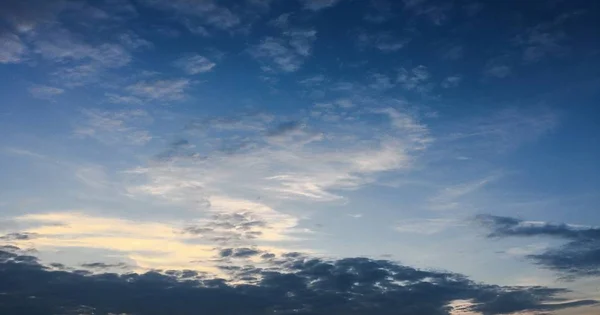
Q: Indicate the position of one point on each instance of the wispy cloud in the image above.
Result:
(451, 81)
(121, 127)
(497, 70)
(316, 5)
(415, 79)
(386, 42)
(160, 90)
(286, 53)
(450, 197)
(508, 128)
(12, 49)
(427, 226)
(45, 92)
(195, 64)
(209, 12)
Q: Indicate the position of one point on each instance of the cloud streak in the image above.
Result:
(579, 257)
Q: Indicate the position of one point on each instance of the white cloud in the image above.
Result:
(115, 127)
(316, 5)
(160, 90)
(287, 53)
(12, 50)
(260, 169)
(45, 92)
(195, 64)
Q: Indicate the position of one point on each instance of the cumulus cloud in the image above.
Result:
(288, 283)
(195, 64)
(578, 257)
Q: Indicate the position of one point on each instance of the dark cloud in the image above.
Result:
(18, 236)
(295, 284)
(239, 252)
(101, 265)
(227, 228)
(580, 256)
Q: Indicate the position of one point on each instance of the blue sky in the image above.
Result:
(156, 135)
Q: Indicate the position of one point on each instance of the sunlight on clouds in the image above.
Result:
(150, 245)
(461, 307)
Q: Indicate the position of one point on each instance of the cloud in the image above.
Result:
(316, 5)
(160, 90)
(415, 79)
(239, 252)
(245, 170)
(381, 82)
(427, 226)
(205, 12)
(508, 128)
(497, 70)
(451, 81)
(133, 41)
(19, 13)
(578, 257)
(115, 127)
(45, 92)
(435, 13)
(195, 64)
(18, 236)
(60, 45)
(286, 53)
(290, 283)
(449, 198)
(101, 265)
(383, 41)
(455, 52)
(12, 49)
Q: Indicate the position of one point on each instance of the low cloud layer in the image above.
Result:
(578, 257)
(289, 283)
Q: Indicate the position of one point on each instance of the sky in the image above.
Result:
(299, 156)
